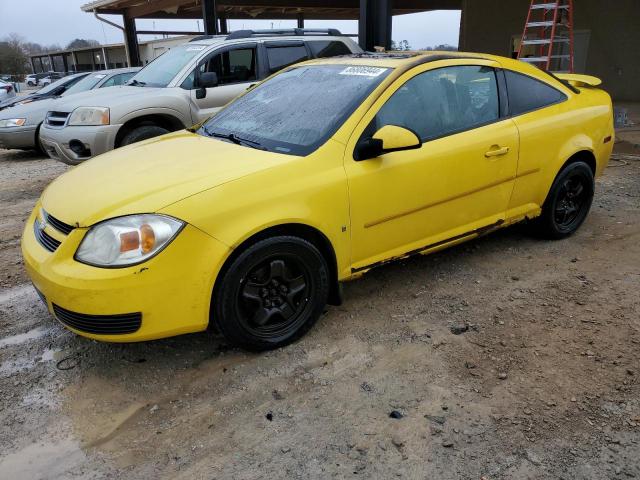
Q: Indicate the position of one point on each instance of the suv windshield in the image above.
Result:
(297, 110)
(164, 68)
(87, 83)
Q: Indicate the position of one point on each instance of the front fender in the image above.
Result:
(310, 191)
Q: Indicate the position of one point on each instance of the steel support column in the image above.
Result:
(131, 39)
(64, 62)
(210, 17)
(374, 24)
(301, 20)
(224, 26)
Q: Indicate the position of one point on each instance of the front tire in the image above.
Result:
(568, 202)
(271, 294)
(143, 132)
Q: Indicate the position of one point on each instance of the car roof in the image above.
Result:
(114, 71)
(404, 60)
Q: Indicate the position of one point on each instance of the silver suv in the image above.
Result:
(181, 88)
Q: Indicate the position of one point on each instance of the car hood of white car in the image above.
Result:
(33, 111)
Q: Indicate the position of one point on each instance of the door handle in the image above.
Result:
(496, 151)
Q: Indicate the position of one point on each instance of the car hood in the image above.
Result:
(148, 176)
(34, 112)
(105, 97)
(15, 100)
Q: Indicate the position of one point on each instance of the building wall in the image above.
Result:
(154, 48)
(613, 27)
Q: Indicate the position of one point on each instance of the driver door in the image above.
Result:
(458, 182)
(236, 68)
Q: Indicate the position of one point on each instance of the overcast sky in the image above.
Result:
(60, 21)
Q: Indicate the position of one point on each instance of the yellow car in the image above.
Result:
(250, 221)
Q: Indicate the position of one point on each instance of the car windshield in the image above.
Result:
(297, 110)
(87, 83)
(164, 68)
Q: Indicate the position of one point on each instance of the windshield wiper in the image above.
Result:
(135, 83)
(232, 137)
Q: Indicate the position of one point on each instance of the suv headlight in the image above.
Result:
(89, 116)
(126, 241)
(12, 122)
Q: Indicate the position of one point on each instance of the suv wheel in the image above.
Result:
(272, 293)
(143, 132)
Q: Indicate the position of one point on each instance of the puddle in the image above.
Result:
(34, 334)
(43, 461)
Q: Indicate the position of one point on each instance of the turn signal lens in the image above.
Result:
(148, 238)
(129, 241)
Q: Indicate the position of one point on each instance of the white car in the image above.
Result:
(6, 91)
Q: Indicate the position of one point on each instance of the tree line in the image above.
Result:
(15, 51)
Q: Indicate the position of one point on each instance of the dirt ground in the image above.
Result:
(541, 378)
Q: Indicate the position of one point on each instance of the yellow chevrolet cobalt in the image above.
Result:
(249, 222)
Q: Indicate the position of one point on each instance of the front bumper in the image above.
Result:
(97, 140)
(171, 291)
(18, 137)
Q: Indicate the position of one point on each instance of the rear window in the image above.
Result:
(527, 94)
(328, 48)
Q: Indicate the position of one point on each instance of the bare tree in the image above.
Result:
(13, 57)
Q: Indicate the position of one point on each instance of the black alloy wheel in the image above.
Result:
(568, 202)
(272, 293)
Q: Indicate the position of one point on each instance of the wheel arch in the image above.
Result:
(161, 119)
(586, 156)
(300, 230)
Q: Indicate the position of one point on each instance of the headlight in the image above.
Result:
(12, 122)
(89, 116)
(125, 241)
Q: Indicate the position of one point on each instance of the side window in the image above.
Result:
(443, 101)
(232, 66)
(280, 56)
(328, 48)
(527, 94)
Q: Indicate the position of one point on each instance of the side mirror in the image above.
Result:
(206, 80)
(390, 138)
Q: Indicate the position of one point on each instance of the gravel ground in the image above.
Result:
(506, 357)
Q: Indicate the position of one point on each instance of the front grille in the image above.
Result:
(57, 119)
(99, 324)
(44, 239)
(57, 224)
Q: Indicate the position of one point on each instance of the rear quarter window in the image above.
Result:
(527, 94)
(281, 56)
(328, 48)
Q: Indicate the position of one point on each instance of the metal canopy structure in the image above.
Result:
(374, 16)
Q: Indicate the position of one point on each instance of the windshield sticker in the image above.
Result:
(99, 76)
(363, 71)
(195, 48)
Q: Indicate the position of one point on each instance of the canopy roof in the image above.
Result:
(269, 9)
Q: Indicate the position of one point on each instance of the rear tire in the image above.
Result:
(143, 132)
(568, 202)
(271, 294)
